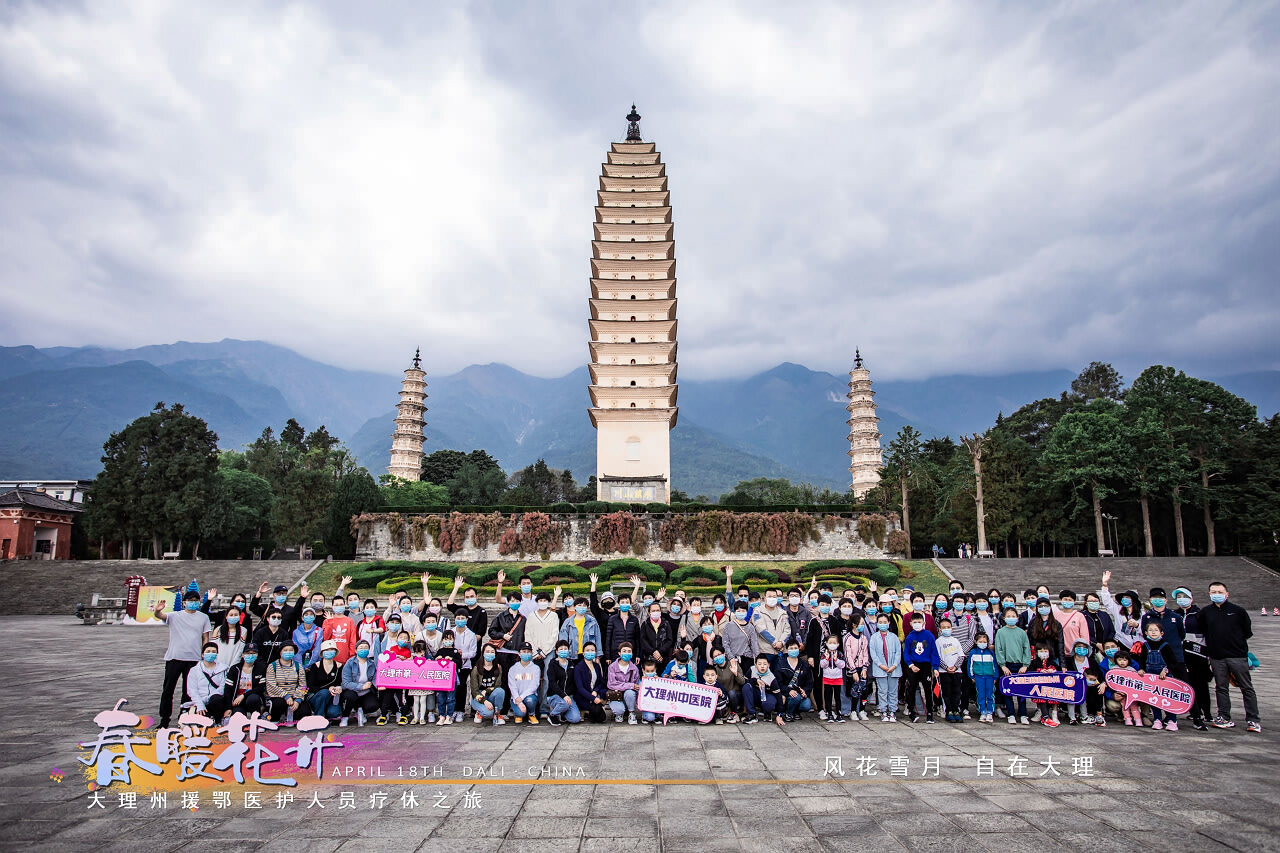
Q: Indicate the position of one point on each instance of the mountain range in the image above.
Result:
(59, 404)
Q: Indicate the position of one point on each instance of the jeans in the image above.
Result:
(175, 674)
(1223, 669)
(628, 703)
(529, 702)
(754, 702)
(887, 694)
(565, 707)
(325, 704)
(984, 690)
(497, 697)
(444, 703)
(798, 704)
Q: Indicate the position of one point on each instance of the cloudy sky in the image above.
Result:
(954, 187)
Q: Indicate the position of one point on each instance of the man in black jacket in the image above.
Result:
(1227, 630)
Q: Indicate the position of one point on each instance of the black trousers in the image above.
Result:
(220, 704)
(352, 701)
(593, 712)
(277, 707)
(1199, 673)
(175, 673)
(952, 690)
(916, 681)
(831, 697)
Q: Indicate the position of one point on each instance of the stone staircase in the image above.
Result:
(1251, 585)
(32, 587)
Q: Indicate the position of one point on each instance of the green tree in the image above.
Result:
(441, 466)
(301, 507)
(1216, 421)
(1088, 450)
(476, 486)
(903, 464)
(354, 494)
(239, 509)
(412, 494)
(1098, 381)
(763, 491)
(542, 483)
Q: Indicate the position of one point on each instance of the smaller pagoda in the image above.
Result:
(864, 430)
(408, 439)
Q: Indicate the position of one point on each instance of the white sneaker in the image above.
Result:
(459, 717)
(862, 715)
(884, 718)
(1013, 721)
(431, 716)
(443, 720)
(342, 724)
(631, 719)
(822, 715)
(966, 715)
(1026, 721)
(360, 717)
(617, 718)
(893, 718)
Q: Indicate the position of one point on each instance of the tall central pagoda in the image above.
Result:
(633, 324)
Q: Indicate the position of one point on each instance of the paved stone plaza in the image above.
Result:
(636, 788)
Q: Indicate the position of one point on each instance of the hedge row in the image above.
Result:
(596, 507)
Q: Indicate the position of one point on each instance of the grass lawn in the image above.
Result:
(925, 577)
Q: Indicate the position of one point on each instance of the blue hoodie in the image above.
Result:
(920, 647)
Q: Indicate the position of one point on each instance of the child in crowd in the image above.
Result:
(886, 666)
(832, 668)
(445, 706)
(982, 669)
(418, 696)
(722, 698)
(649, 669)
(920, 661)
(1133, 714)
(951, 670)
(762, 694)
(1013, 656)
(1044, 663)
(1158, 657)
(857, 660)
(1080, 663)
(680, 668)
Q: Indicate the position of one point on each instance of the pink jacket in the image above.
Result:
(856, 655)
(619, 680)
(1074, 627)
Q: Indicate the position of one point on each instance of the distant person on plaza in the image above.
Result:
(188, 630)
(1227, 630)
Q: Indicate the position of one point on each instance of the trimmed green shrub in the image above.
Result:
(594, 507)
(562, 508)
(627, 566)
(364, 575)
(684, 574)
(747, 575)
(573, 574)
(657, 508)
(821, 565)
(885, 574)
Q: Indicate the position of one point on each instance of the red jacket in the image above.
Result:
(342, 631)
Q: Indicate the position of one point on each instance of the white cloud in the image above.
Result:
(948, 187)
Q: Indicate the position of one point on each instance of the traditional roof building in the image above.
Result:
(633, 323)
(35, 525)
(864, 430)
(407, 440)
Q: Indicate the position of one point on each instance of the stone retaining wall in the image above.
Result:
(375, 543)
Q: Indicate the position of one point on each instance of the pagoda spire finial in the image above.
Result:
(417, 358)
(857, 359)
(633, 125)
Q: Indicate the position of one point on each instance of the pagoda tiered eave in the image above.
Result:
(623, 250)
(624, 331)
(634, 215)
(642, 309)
(653, 288)
(628, 415)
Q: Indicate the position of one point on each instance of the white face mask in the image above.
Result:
(770, 601)
(696, 610)
(794, 601)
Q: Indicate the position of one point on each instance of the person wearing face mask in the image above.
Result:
(831, 666)
(705, 644)
(655, 640)
(487, 693)
(1101, 628)
(720, 612)
(189, 628)
(984, 619)
(886, 667)
(324, 682)
(230, 637)
(244, 690)
(1227, 629)
(371, 624)
(342, 630)
(623, 679)
(1162, 657)
(526, 605)
(1075, 626)
(623, 627)
(795, 676)
(1044, 662)
(1126, 613)
(308, 637)
(279, 600)
(579, 629)
(403, 609)
(562, 706)
(217, 617)
(920, 661)
(681, 667)
(542, 631)
(506, 633)
(981, 668)
(1028, 609)
(1013, 655)
(466, 645)
(951, 672)
(206, 682)
(1045, 630)
(690, 624)
(590, 686)
(739, 637)
(920, 606)
(730, 677)
(430, 636)
(523, 678)
(855, 644)
(286, 685)
(1172, 626)
(270, 637)
(798, 615)
(477, 618)
(772, 625)
(359, 694)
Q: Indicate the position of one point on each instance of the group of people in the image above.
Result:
(567, 659)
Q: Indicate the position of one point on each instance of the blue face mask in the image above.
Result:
(370, 612)
(1011, 621)
(624, 607)
(1081, 651)
(1067, 605)
(719, 608)
(404, 644)
(882, 627)
(191, 606)
(286, 656)
(393, 627)
(969, 605)
(886, 608)
(430, 627)
(1030, 602)
(980, 605)
(1217, 597)
(1043, 610)
(470, 601)
(1126, 601)
(992, 600)
(525, 657)
(824, 608)
(250, 659)
(309, 619)
(708, 630)
(563, 654)
(793, 653)
(940, 605)
(526, 588)
(1110, 652)
(513, 606)
(489, 656)
(339, 609)
(946, 632)
(625, 655)
(405, 608)
(362, 653)
(568, 602)
(718, 660)
(210, 657)
(589, 655)
(675, 608)
(281, 599)
(1157, 603)
(958, 607)
(329, 654)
